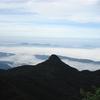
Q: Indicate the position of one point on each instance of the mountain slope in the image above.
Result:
(49, 80)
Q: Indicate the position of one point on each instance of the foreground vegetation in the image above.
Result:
(94, 95)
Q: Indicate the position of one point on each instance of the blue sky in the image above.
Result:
(50, 18)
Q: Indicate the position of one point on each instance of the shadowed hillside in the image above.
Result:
(50, 80)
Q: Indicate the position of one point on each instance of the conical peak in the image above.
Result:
(54, 58)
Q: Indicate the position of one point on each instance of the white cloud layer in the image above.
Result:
(27, 56)
(75, 10)
(43, 11)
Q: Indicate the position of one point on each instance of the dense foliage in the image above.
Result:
(91, 95)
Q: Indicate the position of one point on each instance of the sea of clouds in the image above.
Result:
(26, 55)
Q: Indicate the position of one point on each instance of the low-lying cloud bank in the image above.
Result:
(82, 59)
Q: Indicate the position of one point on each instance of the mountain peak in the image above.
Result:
(54, 58)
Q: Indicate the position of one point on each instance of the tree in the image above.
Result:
(91, 95)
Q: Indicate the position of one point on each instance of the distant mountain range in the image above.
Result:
(5, 65)
(85, 43)
(49, 80)
(3, 54)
